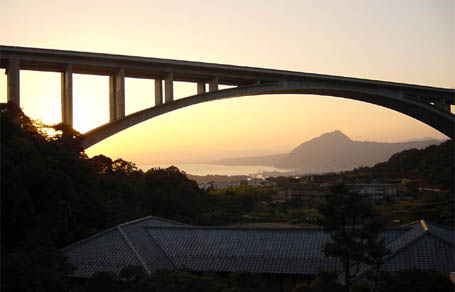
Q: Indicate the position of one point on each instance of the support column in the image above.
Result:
(13, 80)
(158, 92)
(169, 88)
(117, 95)
(112, 99)
(120, 93)
(67, 95)
(200, 87)
(213, 84)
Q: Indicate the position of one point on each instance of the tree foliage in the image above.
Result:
(52, 194)
(354, 227)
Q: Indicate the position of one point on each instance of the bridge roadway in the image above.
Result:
(430, 105)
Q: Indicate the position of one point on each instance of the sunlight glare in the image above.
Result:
(90, 101)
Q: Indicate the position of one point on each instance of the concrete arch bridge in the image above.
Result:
(430, 105)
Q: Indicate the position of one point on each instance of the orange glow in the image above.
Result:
(411, 41)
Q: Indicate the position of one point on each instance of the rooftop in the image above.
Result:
(155, 243)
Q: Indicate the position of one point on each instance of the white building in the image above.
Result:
(225, 185)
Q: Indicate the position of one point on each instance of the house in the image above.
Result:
(375, 191)
(310, 194)
(260, 182)
(280, 254)
(225, 185)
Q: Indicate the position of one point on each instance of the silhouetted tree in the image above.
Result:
(324, 281)
(354, 227)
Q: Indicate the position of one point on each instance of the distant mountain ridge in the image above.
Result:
(332, 151)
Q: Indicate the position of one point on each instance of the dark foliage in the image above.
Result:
(354, 227)
(52, 194)
(433, 164)
(324, 281)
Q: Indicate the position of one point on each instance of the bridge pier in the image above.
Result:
(117, 95)
(213, 84)
(200, 87)
(158, 92)
(13, 80)
(169, 88)
(67, 95)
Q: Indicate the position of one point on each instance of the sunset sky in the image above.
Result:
(410, 41)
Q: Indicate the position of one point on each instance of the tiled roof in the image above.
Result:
(107, 251)
(425, 246)
(260, 250)
(158, 243)
(120, 246)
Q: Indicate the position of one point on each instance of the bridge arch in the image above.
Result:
(427, 113)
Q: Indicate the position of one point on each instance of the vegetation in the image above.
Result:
(354, 226)
(436, 207)
(134, 279)
(432, 166)
(52, 195)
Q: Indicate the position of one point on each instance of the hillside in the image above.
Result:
(432, 166)
(332, 151)
(335, 151)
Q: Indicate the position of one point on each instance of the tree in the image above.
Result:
(246, 281)
(354, 227)
(324, 281)
(176, 281)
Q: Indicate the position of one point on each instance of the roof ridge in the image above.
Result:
(133, 249)
(150, 217)
(366, 267)
(88, 238)
(121, 225)
(422, 225)
(438, 225)
(248, 228)
(159, 246)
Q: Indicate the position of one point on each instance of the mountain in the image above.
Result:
(335, 151)
(332, 151)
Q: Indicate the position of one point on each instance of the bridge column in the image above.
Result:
(213, 84)
(169, 88)
(13, 80)
(67, 95)
(117, 95)
(158, 92)
(200, 87)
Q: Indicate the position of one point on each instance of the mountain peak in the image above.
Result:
(335, 136)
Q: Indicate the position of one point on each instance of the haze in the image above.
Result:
(402, 41)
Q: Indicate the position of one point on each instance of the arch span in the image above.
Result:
(427, 113)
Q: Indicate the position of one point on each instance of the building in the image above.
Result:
(375, 191)
(280, 254)
(259, 182)
(225, 185)
(310, 194)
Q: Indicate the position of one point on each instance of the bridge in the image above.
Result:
(430, 105)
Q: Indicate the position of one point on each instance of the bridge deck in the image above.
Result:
(154, 68)
(428, 104)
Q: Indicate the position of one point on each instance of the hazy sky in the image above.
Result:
(404, 41)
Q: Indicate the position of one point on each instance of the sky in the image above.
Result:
(409, 41)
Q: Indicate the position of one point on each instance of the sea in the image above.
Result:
(215, 169)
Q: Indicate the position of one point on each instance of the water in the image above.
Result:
(206, 169)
